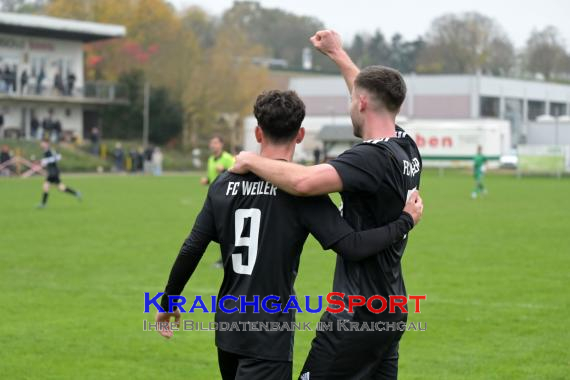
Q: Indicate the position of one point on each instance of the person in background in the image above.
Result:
(94, 136)
(51, 157)
(34, 127)
(70, 83)
(140, 159)
(317, 155)
(119, 156)
(58, 83)
(157, 158)
(24, 82)
(133, 159)
(14, 79)
(147, 157)
(40, 79)
(479, 161)
(56, 132)
(47, 125)
(219, 160)
(5, 157)
(8, 78)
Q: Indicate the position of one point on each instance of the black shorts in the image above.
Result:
(53, 178)
(345, 355)
(239, 367)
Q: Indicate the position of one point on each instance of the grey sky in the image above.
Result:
(412, 18)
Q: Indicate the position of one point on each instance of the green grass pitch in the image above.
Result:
(72, 279)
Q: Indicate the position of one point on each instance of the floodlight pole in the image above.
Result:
(146, 113)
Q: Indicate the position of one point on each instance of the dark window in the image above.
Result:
(535, 109)
(558, 109)
(490, 107)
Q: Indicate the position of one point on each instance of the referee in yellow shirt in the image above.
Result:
(219, 160)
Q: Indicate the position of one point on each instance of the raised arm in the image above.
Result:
(329, 43)
(293, 178)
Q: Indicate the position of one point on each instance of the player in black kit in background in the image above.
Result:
(261, 231)
(51, 157)
(374, 178)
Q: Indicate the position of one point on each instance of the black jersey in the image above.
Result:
(50, 162)
(377, 177)
(261, 231)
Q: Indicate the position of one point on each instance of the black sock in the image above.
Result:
(44, 198)
(70, 191)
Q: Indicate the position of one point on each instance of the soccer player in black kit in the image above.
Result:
(374, 178)
(261, 231)
(49, 161)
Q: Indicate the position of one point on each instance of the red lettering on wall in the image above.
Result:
(433, 141)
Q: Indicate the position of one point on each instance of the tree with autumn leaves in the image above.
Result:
(201, 66)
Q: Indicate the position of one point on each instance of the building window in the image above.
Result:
(490, 107)
(514, 113)
(535, 109)
(68, 112)
(558, 109)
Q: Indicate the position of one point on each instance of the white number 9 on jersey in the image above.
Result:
(251, 241)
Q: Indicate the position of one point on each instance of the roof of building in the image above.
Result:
(52, 27)
(337, 133)
(426, 84)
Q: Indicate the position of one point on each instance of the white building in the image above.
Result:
(450, 100)
(42, 74)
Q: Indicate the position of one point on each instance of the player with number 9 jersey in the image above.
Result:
(261, 231)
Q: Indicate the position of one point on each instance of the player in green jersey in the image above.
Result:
(479, 162)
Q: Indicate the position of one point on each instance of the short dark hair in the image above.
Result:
(279, 114)
(384, 83)
(219, 137)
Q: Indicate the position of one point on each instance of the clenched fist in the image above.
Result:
(327, 42)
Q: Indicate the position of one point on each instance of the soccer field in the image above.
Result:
(72, 280)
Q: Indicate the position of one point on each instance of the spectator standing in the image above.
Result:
(147, 155)
(119, 156)
(317, 155)
(95, 137)
(56, 131)
(24, 82)
(5, 157)
(58, 83)
(34, 127)
(157, 161)
(70, 83)
(40, 79)
(14, 78)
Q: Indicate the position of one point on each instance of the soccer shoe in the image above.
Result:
(474, 195)
(41, 206)
(78, 196)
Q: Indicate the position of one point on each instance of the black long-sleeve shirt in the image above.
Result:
(261, 231)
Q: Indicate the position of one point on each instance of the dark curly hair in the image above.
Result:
(279, 114)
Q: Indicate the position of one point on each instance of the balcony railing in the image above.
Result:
(98, 90)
